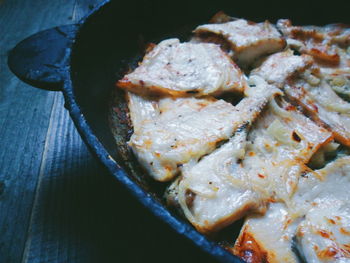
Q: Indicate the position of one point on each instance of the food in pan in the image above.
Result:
(276, 158)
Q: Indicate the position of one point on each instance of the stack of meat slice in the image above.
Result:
(258, 165)
(176, 129)
(250, 160)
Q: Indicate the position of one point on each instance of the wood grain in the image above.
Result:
(24, 118)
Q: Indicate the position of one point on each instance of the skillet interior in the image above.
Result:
(113, 38)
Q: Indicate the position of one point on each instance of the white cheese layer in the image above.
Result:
(178, 69)
(323, 196)
(277, 68)
(268, 238)
(141, 110)
(324, 235)
(210, 193)
(279, 144)
(245, 173)
(327, 45)
(316, 221)
(311, 89)
(324, 106)
(249, 41)
(215, 191)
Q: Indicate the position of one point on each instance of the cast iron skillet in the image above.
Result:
(85, 60)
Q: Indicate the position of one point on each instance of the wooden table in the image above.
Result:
(56, 203)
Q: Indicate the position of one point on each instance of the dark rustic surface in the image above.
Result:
(56, 203)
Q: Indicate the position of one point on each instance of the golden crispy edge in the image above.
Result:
(249, 249)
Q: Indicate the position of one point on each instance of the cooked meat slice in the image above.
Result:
(323, 196)
(277, 68)
(248, 41)
(267, 238)
(258, 94)
(324, 235)
(284, 133)
(334, 33)
(326, 44)
(316, 187)
(178, 69)
(279, 144)
(323, 105)
(311, 90)
(308, 39)
(211, 195)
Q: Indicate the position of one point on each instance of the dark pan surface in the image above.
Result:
(112, 40)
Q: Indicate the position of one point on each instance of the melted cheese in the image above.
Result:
(219, 197)
(324, 106)
(178, 69)
(309, 89)
(248, 41)
(280, 66)
(243, 174)
(271, 234)
(219, 190)
(141, 110)
(316, 221)
(279, 144)
(324, 235)
(326, 44)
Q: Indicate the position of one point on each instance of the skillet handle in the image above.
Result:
(40, 59)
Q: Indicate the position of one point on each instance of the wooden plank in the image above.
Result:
(24, 120)
(54, 234)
